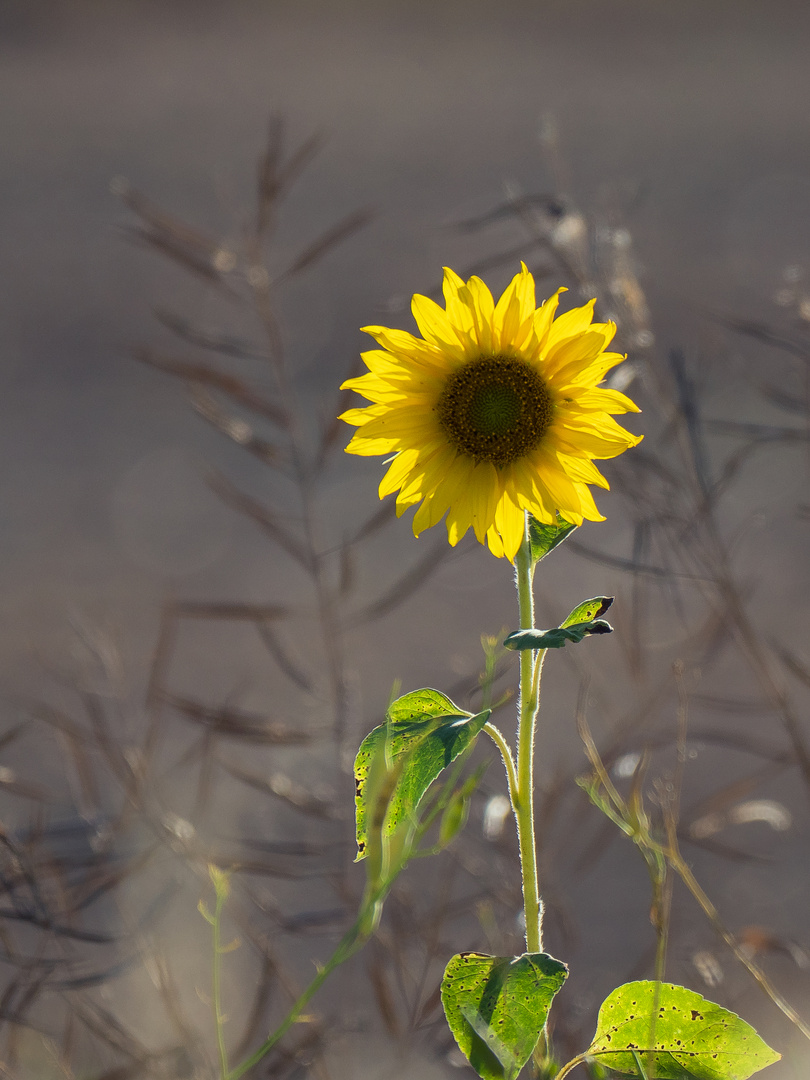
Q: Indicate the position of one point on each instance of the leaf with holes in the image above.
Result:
(544, 538)
(677, 1034)
(583, 621)
(521, 640)
(588, 611)
(424, 733)
(497, 1006)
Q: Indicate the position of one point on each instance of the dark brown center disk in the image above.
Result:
(496, 408)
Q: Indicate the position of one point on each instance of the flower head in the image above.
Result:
(495, 410)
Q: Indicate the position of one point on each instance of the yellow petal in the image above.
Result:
(371, 447)
(385, 364)
(483, 492)
(514, 313)
(482, 308)
(398, 471)
(570, 323)
(543, 318)
(383, 390)
(402, 344)
(431, 462)
(451, 283)
(359, 417)
(510, 521)
(575, 438)
(568, 358)
(587, 505)
(436, 328)
(407, 499)
(585, 372)
(582, 470)
(459, 519)
(530, 495)
(447, 488)
(495, 543)
(599, 400)
(411, 424)
(552, 477)
(458, 312)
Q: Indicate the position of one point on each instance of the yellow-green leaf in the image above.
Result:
(497, 1006)
(677, 1034)
(544, 538)
(424, 733)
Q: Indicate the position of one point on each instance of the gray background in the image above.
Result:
(697, 111)
(688, 120)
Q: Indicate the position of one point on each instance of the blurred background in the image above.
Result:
(191, 583)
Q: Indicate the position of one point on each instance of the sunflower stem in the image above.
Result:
(506, 754)
(523, 796)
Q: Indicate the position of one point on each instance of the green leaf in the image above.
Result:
(690, 1039)
(583, 621)
(424, 733)
(497, 1006)
(520, 640)
(454, 817)
(422, 705)
(544, 538)
(588, 610)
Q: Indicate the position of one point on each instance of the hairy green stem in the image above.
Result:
(570, 1066)
(511, 775)
(523, 795)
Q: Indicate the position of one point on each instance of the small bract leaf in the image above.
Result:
(677, 1034)
(520, 640)
(425, 732)
(583, 621)
(544, 538)
(588, 610)
(497, 1006)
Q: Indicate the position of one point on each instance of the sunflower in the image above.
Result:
(494, 411)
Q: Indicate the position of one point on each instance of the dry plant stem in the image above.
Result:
(671, 818)
(219, 1018)
(325, 601)
(355, 937)
(684, 872)
(672, 853)
(523, 794)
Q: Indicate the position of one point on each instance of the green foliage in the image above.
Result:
(544, 538)
(497, 1006)
(588, 610)
(455, 814)
(583, 621)
(399, 760)
(676, 1034)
